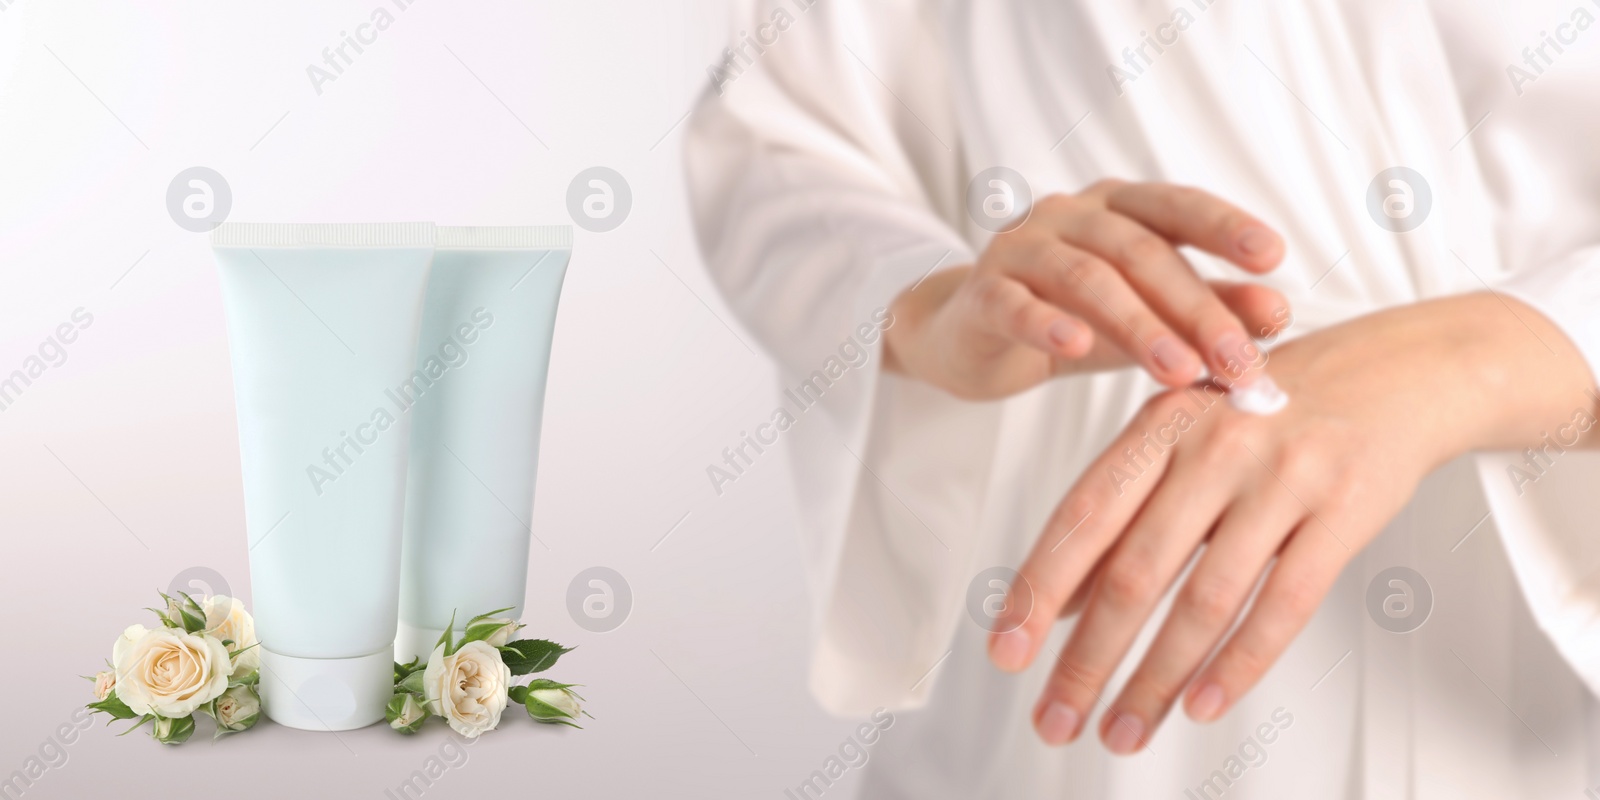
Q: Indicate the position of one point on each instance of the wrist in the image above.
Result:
(912, 309)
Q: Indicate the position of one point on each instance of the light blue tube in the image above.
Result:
(477, 395)
(322, 327)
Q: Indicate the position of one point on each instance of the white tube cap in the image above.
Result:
(326, 694)
(417, 642)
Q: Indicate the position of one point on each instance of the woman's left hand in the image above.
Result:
(1375, 405)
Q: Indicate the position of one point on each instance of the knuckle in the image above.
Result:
(1246, 661)
(1056, 204)
(1210, 601)
(1299, 596)
(1127, 583)
(1076, 673)
(1147, 689)
(992, 294)
(1142, 250)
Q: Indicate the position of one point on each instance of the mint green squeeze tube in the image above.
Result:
(322, 326)
(477, 398)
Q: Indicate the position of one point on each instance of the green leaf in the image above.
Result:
(518, 694)
(114, 706)
(488, 614)
(402, 670)
(448, 637)
(527, 656)
(412, 684)
(252, 678)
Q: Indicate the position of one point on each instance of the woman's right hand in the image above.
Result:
(1093, 281)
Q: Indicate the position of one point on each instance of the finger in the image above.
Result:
(1146, 560)
(1263, 310)
(1306, 569)
(1013, 311)
(1092, 289)
(1079, 532)
(1166, 282)
(1211, 598)
(1196, 217)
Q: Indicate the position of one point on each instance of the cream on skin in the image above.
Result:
(477, 395)
(322, 325)
(1262, 396)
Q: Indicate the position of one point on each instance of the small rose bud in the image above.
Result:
(493, 631)
(173, 731)
(551, 702)
(406, 713)
(104, 683)
(238, 709)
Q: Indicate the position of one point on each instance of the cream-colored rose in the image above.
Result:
(168, 672)
(104, 683)
(468, 688)
(130, 634)
(237, 709)
(226, 620)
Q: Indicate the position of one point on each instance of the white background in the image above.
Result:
(120, 467)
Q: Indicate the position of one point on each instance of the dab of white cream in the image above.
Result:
(1261, 397)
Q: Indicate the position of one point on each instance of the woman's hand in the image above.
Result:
(1375, 405)
(1092, 281)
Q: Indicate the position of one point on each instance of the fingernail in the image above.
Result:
(1207, 703)
(1058, 723)
(1172, 356)
(1255, 240)
(1060, 332)
(1124, 734)
(1010, 651)
(1233, 354)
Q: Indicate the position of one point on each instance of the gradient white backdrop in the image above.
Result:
(120, 466)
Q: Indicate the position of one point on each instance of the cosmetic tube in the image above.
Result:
(478, 398)
(322, 327)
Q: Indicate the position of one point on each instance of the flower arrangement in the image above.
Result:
(468, 684)
(202, 660)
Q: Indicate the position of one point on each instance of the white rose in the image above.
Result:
(104, 683)
(130, 634)
(561, 700)
(468, 688)
(237, 709)
(168, 672)
(226, 620)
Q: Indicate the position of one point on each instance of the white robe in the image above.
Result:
(830, 175)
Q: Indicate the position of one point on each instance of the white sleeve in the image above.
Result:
(825, 180)
(1537, 153)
